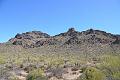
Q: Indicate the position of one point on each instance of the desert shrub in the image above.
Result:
(56, 62)
(111, 66)
(116, 75)
(92, 73)
(2, 59)
(18, 61)
(30, 68)
(3, 71)
(37, 74)
(13, 77)
(111, 61)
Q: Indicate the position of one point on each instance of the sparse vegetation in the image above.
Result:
(13, 77)
(78, 60)
(2, 59)
(91, 73)
(37, 74)
(110, 64)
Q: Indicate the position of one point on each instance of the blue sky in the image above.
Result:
(55, 16)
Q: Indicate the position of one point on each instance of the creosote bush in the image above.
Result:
(2, 59)
(13, 77)
(92, 73)
(110, 64)
(37, 74)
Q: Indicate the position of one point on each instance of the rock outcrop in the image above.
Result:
(37, 38)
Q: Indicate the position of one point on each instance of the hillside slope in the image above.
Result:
(72, 55)
(89, 41)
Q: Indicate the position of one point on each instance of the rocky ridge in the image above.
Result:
(71, 37)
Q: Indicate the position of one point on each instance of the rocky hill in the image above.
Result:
(72, 55)
(90, 40)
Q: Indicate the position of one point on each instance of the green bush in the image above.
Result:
(111, 66)
(37, 74)
(2, 59)
(13, 77)
(116, 76)
(92, 73)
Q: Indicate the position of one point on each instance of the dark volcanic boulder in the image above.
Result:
(70, 33)
(18, 36)
(17, 43)
(48, 41)
(73, 40)
(117, 39)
